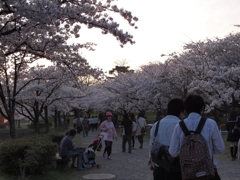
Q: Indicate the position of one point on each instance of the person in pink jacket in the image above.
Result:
(109, 130)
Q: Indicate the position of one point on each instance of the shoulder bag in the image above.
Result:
(236, 129)
(143, 129)
(161, 157)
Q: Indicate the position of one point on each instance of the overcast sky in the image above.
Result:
(164, 26)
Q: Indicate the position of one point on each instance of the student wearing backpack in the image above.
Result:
(175, 109)
(194, 106)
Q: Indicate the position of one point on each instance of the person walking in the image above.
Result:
(85, 125)
(134, 128)
(68, 149)
(68, 121)
(158, 117)
(108, 128)
(126, 132)
(232, 138)
(175, 110)
(79, 125)
(195, 106)
(141, 123)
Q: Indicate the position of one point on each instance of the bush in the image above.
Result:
(28, 155)
(2, 125)
(41, 125)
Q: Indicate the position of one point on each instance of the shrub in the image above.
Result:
(28, 155)
(40, 125)
(57, 138)
(2, 125)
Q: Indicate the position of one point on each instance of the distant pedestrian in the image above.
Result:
(75, 122)
(79, 125)
(232, 138)
(114, 120)
(141, 123)
(95, 122)
(126, 133)
(68, 121)
(158, 117)
(85, 125)
(134, 128)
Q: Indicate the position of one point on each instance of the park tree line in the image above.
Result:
(210, 68)
(27, 35)
(37, 30)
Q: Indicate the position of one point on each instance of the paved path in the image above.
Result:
(125, 166)
(134, 166)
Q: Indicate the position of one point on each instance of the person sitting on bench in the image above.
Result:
(68, 149)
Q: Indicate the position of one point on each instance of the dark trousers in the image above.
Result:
(161, 174)
(140, 140)
(133, 141)
(217, 177)
(108, 147)
(127, 138)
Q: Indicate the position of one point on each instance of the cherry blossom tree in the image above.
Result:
(31, 30)
(209, 68)
(216, 72)
(52, 85)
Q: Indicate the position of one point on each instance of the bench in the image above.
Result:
(62, 162)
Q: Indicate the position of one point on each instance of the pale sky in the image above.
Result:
(164, 26)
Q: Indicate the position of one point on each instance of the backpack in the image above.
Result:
(195, 160)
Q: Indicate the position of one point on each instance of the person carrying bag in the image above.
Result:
(164, 166)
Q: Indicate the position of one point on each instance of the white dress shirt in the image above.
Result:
(210, 132)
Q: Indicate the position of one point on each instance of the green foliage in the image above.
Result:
(28, 155)
(2, 125)
(56, 137)
(40, 125)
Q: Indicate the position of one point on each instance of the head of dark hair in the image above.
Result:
(159, 113)
(175, 107)
(232, 115)
(72, 132)
(125, 115)
(194, 103)
(132, 117)
(141, 114)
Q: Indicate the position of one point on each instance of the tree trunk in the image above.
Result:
(59, 118)
(46, 119)
(12, 127)
(18, 122)
(55, 119)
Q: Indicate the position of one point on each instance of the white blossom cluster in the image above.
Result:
(31, 30)
(210, 68)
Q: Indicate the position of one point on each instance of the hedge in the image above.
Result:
(28, 155)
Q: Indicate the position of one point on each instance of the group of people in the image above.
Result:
(171, 134)
(85, 124)
(131, 128)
